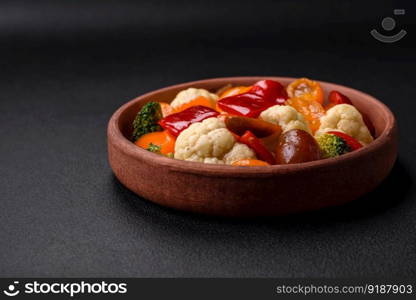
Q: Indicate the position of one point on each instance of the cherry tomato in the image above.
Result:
(311, 110)
(307, 89)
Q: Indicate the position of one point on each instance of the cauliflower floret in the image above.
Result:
(238, 152)
(190, 94)
(345, 118)
(286, 116)
(210, 142)
(207, 141)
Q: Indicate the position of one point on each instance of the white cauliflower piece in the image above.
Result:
(207, 141)
(190, 94)
(238, 152)
(345, 118)
(210, 142)
(286, 116)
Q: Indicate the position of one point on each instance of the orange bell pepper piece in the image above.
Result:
(198, 101)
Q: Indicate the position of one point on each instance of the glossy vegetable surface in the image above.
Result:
(235, 91)
(296, 146)
(239, 125)
(262, 95)
(270, 90)
(161, 142)
(352, 143)
(247, 104)
(176, 123)
(310, 109)
(336, 97)
(306, 89)
(279, 124)
(254, 143)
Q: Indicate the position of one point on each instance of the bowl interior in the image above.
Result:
(365, 103)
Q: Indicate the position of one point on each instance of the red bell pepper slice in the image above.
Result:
(338, 98)
(369, 125)
(246, 104)
(176, 123)
(351, 142)
(262, 95)
(254, 143)
(270, 90)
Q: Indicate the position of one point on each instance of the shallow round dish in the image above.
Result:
(251, 191)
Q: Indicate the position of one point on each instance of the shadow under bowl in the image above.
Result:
(224, 190)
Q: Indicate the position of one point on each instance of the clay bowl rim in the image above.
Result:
(126, 146)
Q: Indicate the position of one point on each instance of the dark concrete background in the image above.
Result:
(65, 66)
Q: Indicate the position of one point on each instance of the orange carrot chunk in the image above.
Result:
(160, 142)
(249, 163)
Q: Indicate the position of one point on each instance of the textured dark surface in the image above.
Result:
(65, 67)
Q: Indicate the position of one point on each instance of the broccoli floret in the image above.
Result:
(147, 120)
(154, 148)
(332, 145)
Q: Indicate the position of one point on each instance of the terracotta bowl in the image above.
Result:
(251, 191)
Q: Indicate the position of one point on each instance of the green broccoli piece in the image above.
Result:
(332, 145)
(154, 148)
(147, 120)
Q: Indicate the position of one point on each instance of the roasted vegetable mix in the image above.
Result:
(259, 125)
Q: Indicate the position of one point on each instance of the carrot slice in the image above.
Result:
(162, 139)
(249, 163)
